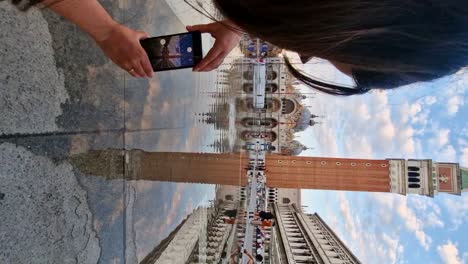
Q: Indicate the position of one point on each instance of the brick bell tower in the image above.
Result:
(328, 173)
(400, 176)
(423, 177)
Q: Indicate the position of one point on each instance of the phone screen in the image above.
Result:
(173, 51)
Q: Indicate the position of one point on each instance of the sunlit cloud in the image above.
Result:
(427, 214)
(449, 253)
(454, 104)
(369, 243)
(443, 137)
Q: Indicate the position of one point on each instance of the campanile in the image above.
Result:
(423, 177)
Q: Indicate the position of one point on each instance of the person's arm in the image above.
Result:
(121, 44)
(89, 15)
(227, 36)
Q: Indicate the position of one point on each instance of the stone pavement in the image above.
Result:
(59, 96)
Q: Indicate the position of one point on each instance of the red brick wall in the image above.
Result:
(282, 171)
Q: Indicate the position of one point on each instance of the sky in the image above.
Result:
(421, 121)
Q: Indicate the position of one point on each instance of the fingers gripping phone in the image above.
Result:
(172, 52)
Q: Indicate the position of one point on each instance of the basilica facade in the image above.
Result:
(284, 113)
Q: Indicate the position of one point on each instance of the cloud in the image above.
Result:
(463, 142)
(361, 147)
(349, 219)
(361, 126)
(414, 224)
(371, 126)
(447, 154)
(363, 112)
(423, 213)
(385, 126)
(175, 201)
(427, 210)
(422, 118)
(415, 109)
(454, 104)
(457, 208)
(464, 157)
(409, 111)
(442, 137)
(406, 140)
(366, 239)
(430, 100)
(394, 248)
(449, 253)
(154, 89)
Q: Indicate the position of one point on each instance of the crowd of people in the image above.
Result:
(261, 219)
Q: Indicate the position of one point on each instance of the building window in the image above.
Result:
(323, 162)
(413, 180)
(228, 197)
(413, 168)
(414, 185)
(280, 161)
(383, 165)
(293, 161)
(353, 164)
(286, 201)
(308, 162)
(247, 87)
(413, 174)
(288, 106)
(266, 122)
(271, 88)
(248, 75)
(368, 164)
(338, 163)
(271, 75)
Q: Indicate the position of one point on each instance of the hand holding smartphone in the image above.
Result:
(172, 52)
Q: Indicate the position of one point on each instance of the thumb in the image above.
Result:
(142, 35)
(202, 28)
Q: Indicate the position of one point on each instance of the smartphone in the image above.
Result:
(172, 52)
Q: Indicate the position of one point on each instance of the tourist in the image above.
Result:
(234, 256)
(381, 44)
(263, 223)
(254, 222)
(265, 215)
(231, 213)
(258, 257)
(231, 216)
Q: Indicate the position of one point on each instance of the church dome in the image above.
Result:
(304, 120)
(293, 149)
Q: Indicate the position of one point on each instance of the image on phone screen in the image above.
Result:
(173, 51)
